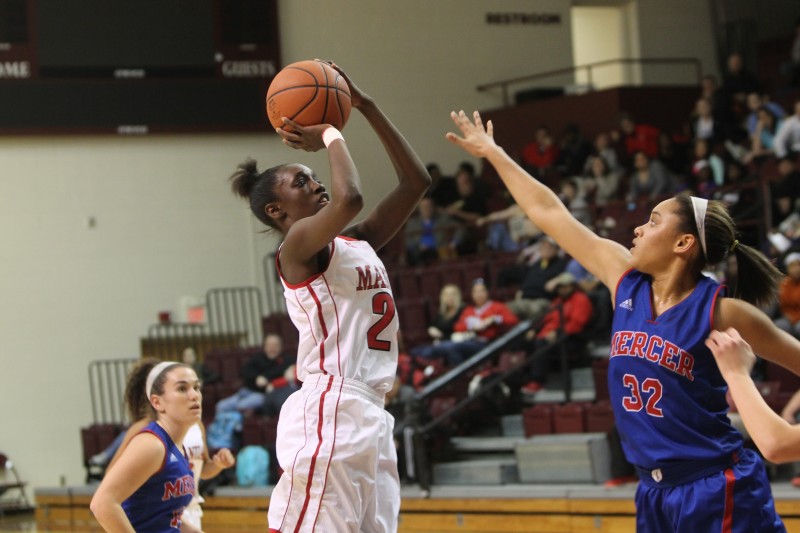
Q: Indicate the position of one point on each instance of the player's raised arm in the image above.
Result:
(606, 259)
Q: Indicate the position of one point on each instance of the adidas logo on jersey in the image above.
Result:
(172, 458)
(627, 304)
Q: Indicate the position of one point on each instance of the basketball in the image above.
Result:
(309, 93)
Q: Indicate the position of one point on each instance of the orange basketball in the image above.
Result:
(309, 92)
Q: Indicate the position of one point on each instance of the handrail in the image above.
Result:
(588, 67)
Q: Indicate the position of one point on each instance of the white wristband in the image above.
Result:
(330, 135)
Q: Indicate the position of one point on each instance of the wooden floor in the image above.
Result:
(504, 509)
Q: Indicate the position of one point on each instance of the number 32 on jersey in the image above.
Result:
(644, 395)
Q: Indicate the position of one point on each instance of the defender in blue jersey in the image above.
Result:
(151, 483)
(667, 392)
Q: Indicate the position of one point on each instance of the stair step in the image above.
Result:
(485, 444)
(568, 458)
(512, 426)
(491, 471)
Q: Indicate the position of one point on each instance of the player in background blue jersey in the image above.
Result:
(148, 488)
(667, 393)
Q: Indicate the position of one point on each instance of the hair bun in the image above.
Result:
(245, 178)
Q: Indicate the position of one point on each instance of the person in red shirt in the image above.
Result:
(477, 325)
(639, 137)
(570, 311)
(541, 153)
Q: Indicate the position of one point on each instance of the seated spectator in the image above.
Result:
(263, 374)
(755, 102)
(569, 313)
(704, 183)
(673, 154)
(737, 83)
(705, 125)
(430, 234)
(787, 140)
(541, 153)
(703, 152)
(602, 308)
(650, 179)
(443, 188)
(785, 191)
(533, 298)
(477, 325)
(601, 183)
(638, 137)
(762, 139)
(206, 375)
(603, 148)
(789, 297)
(573, 151)
(450, 308)
(508, 229)
(575, 201)
(471, 205)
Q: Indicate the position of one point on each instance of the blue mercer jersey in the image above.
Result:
(157, 505)
(667, 393)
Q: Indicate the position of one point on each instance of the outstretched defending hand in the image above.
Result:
(308, 138)
(476, 140)
(733, 354)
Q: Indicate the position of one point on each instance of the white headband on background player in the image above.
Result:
(154, 373)
(699, 206)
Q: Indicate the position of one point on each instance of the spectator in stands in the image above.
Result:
(787, 140)
(533, 298)
(650, 179)
(789, 297)
(703, 152)
(785, 191)
(477, 325)
(573, 151)
(601, 182)
(508, 229)
(471, 205)
(602, 148)
(737, 83)
(541, 153)
(450, 307)
(711, 91)
(570, 312)
(263, 374)
(762, 138)
(638, 137)
(602, 309)
(130, 496)
(443, 189)
(704, 183)
(206, 375)
(705, 125)
(430, 234)
(575, 200)
(755, 102)
(673, 154)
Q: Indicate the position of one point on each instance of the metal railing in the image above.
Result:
(589, 70)
(107, 379)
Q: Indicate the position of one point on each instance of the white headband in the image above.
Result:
(699, 205)
(154, 373)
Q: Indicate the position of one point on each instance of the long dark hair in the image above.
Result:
(758, 278)
(137, 402)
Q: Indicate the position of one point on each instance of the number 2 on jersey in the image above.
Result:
(634, 402)
(383, 305)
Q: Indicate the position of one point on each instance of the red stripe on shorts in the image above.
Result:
(324, 329)
(314, 457)
(727, 519)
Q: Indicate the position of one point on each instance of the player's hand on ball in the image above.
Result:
(357, 96)
(476, 139)
(224, 458)
(308, 138)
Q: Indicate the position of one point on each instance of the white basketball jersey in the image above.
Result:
(346, 317)
(193, 444)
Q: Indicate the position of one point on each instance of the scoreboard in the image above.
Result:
(135, 67)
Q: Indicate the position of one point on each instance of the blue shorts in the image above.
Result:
(738, 499)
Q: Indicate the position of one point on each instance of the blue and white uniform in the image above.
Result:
(669, 404)
(157, 505)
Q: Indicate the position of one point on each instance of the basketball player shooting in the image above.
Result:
(334, 440)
